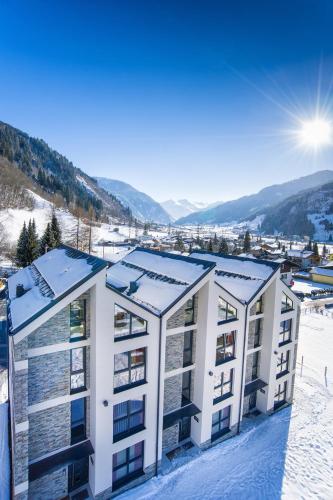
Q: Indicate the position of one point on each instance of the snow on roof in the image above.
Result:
(240, 276)
(322, 271)
(302, 254)
(47, 280)
(160, 278)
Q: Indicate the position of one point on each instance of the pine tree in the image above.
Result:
(210, 246)
(32, 242)
(55, 229)
(179, 245)
(47, 241)
(315, 249)
(223, 246)
(215, 241)
(21, 250)
(324, 252)
(247, 242)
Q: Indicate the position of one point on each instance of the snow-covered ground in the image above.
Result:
(288, 455)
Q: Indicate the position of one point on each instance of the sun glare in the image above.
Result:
(315, 133)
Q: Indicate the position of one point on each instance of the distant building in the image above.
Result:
(111, 369)
(303, 258)
(322, 275)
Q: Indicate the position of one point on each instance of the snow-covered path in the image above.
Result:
(288, 455)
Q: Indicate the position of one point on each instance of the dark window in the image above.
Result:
(186, 388)
(286, 303)
(189, 311)
(259, 305)
(188, 345)
(285, 331)
(128, 418)
(255, 365)
(280, 395)
(127, 324)
(78, 369)
(225, 347)
(127, 465)
(78, 474)
(78, 319)
(78, 420)
(282, 363)
(220, 422)
(226, 312)
(129, 369)
(223, 385)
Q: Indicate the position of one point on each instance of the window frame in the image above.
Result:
(84, 336)
(222, 384)
(221, 419)
(188, 349)
(77, 372)
(261, 303)
(225, 346)
(277, 395)
(191, 308)
(187, 388)
(281, 363)
(82, 437)
(129, 370)
(286, 308)
(284, 331)
(132, 475)
(227, 318)
(130, 430)
(255, 369)
(119, 338)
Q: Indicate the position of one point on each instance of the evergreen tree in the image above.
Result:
(179, 245)
(55, 229)
(210, 246)
(223, 246)
(283, 248)
(247, 242)
(190, 250)
(324, 250)
(315, 249)
(32, 242)
(47, 241)
(215, 241)
(21, 250)
(330, 237)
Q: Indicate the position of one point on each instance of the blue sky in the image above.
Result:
(182, 99)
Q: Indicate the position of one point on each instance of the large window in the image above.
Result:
(189, 311)
(127, 324)
(225, 347)
(188, 348)
(78, 420)
(285, 331)
(129, 369)
(127, 464)
(226, 312)
(283, 363)
(220, 422)
(78, 319)
(223, 385)
(286, 303)
(280, 395)
(128, 418)
(78, 369)
(186, 388)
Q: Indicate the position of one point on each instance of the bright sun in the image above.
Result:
(315, 133)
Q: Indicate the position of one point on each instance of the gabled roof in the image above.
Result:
(156, 280)
(242, 277)
(46, 281)
(322, 271)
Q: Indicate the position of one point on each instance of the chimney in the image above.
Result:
(19, 290)
(133, 287)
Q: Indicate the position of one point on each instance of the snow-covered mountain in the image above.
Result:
(142, 206)
(181, 208)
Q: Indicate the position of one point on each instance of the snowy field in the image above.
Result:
(288, 455)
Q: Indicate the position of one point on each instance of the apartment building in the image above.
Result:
(111, 369)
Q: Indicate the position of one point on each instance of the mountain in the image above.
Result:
(237, 210)
(308, 213)
(181, 208)
(50, 174)
(142, 206)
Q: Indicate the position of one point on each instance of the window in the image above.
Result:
(188, 346)
(220, 422)
(189, 311)
(259, 305)
(129, 369)
(78, 420)
(226, 312)
(186, 388)
(280, 395)
(223, 385)
(128, 418)
(285, 331)
(283, 363)
(254, 339)
(127, 324)
(225, 347)
(286, 303)
(78, 474)
(255, 365)
(78, 319)
(127, 464)
(78, 369)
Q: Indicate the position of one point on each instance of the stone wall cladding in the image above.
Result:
(252, 329)
(20, 391)
(246, 405)
(298, 318)
(21, 350)
(249, 364)
(172, 393)
(149, 472)
(178, 318)
(253, 308)
(49, 376)
(49, 430)
(174, 352)
(170, 437)
(52, 486)
(20, 471)
(21, 496)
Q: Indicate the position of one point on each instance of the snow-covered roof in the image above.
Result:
(242, 277)
(322, 271)
(301, 254)
(159, 278)
(47, 280)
